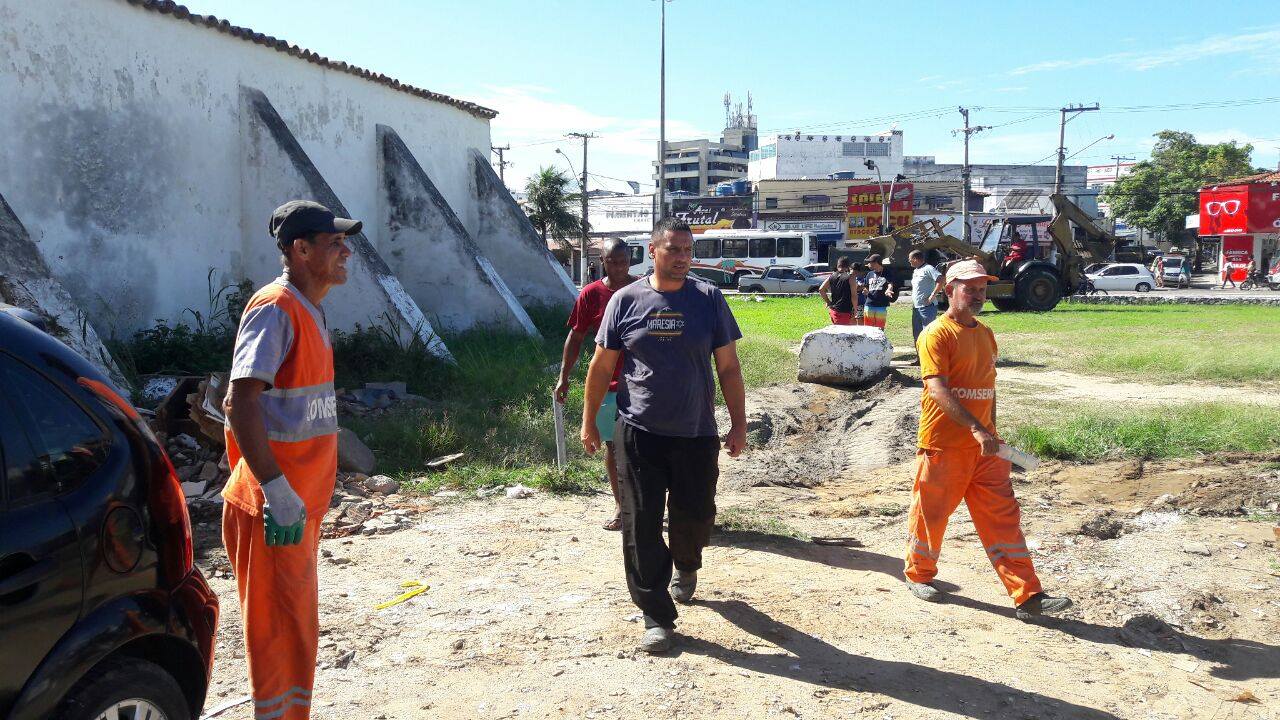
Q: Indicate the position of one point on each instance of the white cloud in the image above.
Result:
(1259, 44)
(535, 123)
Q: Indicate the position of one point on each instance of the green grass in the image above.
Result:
(757, 521)
(1161, 343)
(494, 405)
(1080, 432)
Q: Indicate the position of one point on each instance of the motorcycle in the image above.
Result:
(1258, 280)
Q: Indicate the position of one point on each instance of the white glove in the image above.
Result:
(285, 505)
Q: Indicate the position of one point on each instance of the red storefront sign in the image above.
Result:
(1237, 251)
(1239, 209)
(864, 209)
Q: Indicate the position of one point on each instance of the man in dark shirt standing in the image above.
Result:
(667, 327)
(840, 302)
(881, 291)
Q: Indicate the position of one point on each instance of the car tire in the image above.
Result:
(119, 680)
(1143, 287)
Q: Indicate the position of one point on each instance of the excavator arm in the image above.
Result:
(927, 235)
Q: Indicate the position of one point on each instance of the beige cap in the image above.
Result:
(968, 270)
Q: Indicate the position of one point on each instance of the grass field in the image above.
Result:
(494, 404)
(1085, 433)
(1161, 343)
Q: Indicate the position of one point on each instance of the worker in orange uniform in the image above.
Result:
(282, 444)
(957, 451)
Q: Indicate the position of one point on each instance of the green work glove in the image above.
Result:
(283, 534)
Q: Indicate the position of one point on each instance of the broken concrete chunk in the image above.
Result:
(353, 454)
(519, 491)
(193, 489)
(382, 484)
(1196, 548)
(844, 355)
(209, 471)
(399, 388)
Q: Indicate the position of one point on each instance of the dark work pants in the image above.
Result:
(657, 472)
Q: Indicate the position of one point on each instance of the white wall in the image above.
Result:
(817, 156)
(120, 150)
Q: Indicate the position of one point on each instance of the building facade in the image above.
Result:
(802, 156)
(1009, 188)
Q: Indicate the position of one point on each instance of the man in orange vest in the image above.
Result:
(957, 457)
(282, 444)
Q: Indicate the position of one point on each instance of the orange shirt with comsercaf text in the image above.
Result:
(966, 357)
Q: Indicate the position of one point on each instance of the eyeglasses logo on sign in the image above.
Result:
(1214, 207)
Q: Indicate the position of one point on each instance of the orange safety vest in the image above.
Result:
(300, 409)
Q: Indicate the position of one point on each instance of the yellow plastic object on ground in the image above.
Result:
(418, 589)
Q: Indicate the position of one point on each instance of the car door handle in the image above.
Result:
(26, 577)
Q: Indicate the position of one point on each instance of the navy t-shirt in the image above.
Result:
(666, 339)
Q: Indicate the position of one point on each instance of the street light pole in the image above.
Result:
(662, 111)
(1062, 139)
(884, 201)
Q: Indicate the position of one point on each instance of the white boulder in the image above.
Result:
(844, 355)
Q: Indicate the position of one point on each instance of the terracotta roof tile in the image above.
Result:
(179, 12)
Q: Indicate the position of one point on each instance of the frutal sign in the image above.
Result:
(1240, 209)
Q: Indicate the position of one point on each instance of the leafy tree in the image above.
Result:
(1159, 193)
(548, 204)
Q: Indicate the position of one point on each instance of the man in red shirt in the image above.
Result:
(584, 320)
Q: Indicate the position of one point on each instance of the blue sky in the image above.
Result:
(553, 67)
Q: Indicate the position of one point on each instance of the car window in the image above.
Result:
(70, 442)
(788, 274)
(22, 474)
(1126, 270)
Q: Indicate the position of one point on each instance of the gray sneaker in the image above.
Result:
(657, 639)
(1041, 604)
(925, 591)
(682, 586)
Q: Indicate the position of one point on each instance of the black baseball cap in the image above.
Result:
(299, 218)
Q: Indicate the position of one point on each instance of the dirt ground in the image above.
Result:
(1177, 594)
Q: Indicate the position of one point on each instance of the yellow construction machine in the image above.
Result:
(1061, 247)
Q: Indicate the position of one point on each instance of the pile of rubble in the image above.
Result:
(188, 421)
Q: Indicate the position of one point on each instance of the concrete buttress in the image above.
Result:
(25, 281)
(275, 169)
(439, 263)
(508, 239)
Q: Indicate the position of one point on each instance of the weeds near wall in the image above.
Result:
(203, 345)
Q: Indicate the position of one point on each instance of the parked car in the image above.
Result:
(819, 270)
(780, 279)
(1177, 271)
(1123, 276)
(102, 611)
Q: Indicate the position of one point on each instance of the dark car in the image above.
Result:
(102, 612)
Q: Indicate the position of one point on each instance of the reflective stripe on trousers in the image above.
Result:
(943, 479)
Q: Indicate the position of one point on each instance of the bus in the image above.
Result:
(723, 256)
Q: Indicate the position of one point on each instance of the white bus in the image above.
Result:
(723, 256)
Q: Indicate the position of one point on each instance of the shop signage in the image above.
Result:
(1240, 209)
(863, 211)
(814, 226)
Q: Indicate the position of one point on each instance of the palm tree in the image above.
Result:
(547, 203)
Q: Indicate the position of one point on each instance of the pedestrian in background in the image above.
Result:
(282, 444)
(838, 291)
(667, 328)
(859, 281)
(1157, 269)
(924, 293)
(1227, 269)
(584, 320)
(881, 292)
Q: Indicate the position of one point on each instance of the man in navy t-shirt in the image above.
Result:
(667, 327)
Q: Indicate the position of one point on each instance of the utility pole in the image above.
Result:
(502, 162)
(964, 173)
(585, 238)
(662, 112)
(1119, 159)
(1075, 110)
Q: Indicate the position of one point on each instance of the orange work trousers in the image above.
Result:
(943, 479)
(279, 604)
